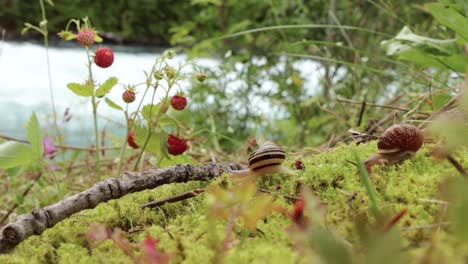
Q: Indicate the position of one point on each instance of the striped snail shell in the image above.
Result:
(267, 159)
(400, 137)
(267, 155)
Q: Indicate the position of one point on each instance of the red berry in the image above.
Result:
(299, 165)
(178, 102)
(175, 145)
(85, 37)
(297, 215)
(131, 141)
(104, 57)
(128, 96)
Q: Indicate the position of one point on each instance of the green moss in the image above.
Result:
(185, 230)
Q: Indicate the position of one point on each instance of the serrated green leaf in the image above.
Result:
(81, 89)
(106, 87)
(163, 144)
(450, 17)
(35, 136)
(14, 154)
(141, 134)
(112, 104)
(149, 110)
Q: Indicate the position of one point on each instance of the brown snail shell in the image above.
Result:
(395, 144)
(400, 137)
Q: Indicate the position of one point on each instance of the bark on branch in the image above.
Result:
(38, 220)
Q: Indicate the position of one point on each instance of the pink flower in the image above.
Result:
(49, 148)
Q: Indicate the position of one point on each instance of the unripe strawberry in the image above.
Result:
(175, 145)
(164, 107)
(104, 57)
(85, 37)
(178, 102)
(131, 141)
(128, 96)
(170, 54)
(201, 77)
(170, 72)
(158, 75)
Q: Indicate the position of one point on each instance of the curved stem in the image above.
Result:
(124, 144)
(148, 136)
(96, 131)
(49, 74)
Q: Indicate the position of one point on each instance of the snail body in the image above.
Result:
(267, 159)
(396, 143)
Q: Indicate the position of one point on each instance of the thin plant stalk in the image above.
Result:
(55, 178)
(148, 136)
(367, 183)
(94, 104)
(124, 144)
(49, 74)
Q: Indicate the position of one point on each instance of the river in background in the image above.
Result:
(24, 87)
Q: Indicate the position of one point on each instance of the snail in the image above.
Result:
(395, 144)
(267, 159)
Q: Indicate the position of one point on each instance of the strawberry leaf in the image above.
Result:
(81, 89)
(35, 136)
(112, 104)
(141, 134)
(14, 154)
(149, 110)
(106, 86)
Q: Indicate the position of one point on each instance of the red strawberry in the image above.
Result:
(297, 215)
(131, 141)
(178, 102)
(128, 96)
(175, 145)
(104, 57)
(85, 37)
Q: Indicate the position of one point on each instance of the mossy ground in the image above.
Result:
(184, 229)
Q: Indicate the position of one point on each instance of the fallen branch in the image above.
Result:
(38, 220)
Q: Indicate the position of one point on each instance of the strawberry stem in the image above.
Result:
(96, 132)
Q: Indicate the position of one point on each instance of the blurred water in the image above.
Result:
(24, 87)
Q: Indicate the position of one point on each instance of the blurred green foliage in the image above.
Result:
(263, 87)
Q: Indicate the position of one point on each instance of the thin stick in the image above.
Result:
(457, 165)
(395, 219)
(173, 199)
(361, 113)
(57, 146)
(5, 217)
(449, 105)
(373, 105)
(425, 226)
(289, 197)
(432, 201)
